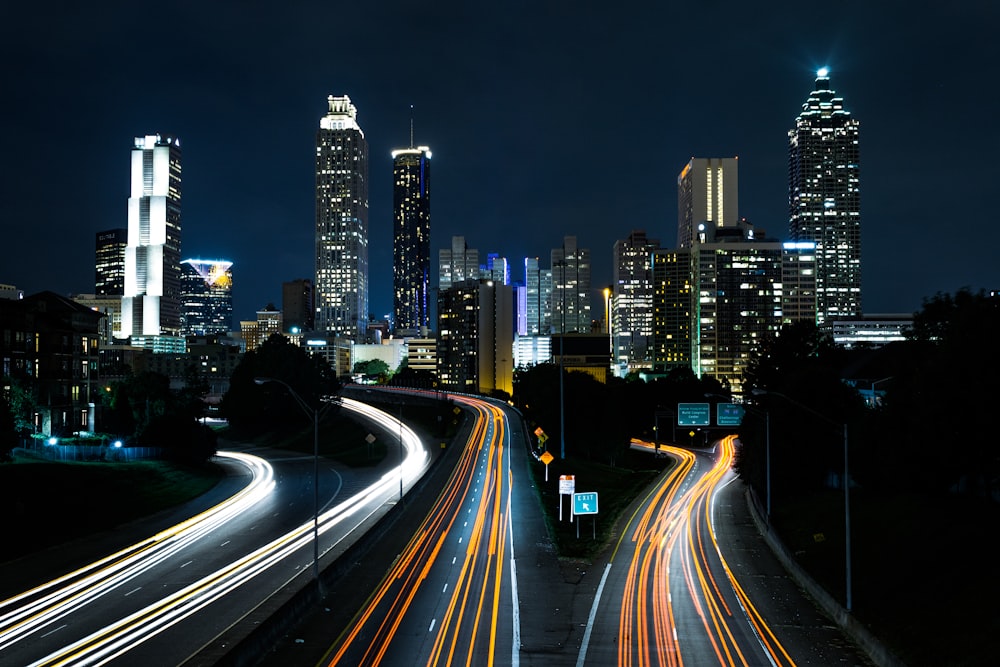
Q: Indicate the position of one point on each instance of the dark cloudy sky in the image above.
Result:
(545, 119)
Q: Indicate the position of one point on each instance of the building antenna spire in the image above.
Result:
(411, 126)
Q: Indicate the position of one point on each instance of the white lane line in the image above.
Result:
(187, 563)
(133, 591)
(433, 621)
(590, 619)
(56, 630)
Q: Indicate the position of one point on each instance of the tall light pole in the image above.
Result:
(562, 353)
(847, 489)
(313, 414)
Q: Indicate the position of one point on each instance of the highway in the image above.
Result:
(668, 596)
(450, 598)
(159, 600)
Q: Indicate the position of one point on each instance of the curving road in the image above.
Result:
(162, 598)
(450, 598)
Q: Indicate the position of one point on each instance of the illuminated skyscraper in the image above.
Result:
(411, 238)
(571, 287)
(207, 297)
(109, 262)
(341, 222)
(707, 194)
(458, 263)
(151, 307)
(538, 298)
(824, 198)
(632, 302)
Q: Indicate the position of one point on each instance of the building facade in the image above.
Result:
(109, 262)
(411, 242)
(206, 297)
(341, 285)
(672, 309)
(297, 305)
(50, 343)
(632, 302)
(475, 345)
(151, 303)
(538, 298)
(741, 299)
(571, 288)
(824, 198)
(707, 194)
(457, 263)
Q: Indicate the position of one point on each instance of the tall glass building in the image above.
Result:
(151, 306)
(341, 286)
(411, 237)
(571, 287)
(824, 198)
(207, 297)
(632, 302)
(707, 194)
(109, 262)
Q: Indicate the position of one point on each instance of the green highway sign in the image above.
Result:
(694, 414)
(729, 414)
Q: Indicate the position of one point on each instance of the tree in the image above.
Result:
(373, 368)
(253, 408)
(8, 429)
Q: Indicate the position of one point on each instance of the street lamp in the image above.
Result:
(847, 489)
(313, 414)
(562, 353)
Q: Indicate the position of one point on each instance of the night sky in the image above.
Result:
(545, 119)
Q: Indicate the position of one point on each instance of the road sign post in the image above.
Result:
(694, 414)
(567, 486)
(585, 503)
(729, 414)
(546, 458)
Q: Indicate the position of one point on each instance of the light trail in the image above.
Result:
(116, 639)
(676, 526)
(24, 613)
(467, 630)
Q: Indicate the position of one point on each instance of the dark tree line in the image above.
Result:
(602, 417)
(143, 410)
(929, 433)
(254, 408)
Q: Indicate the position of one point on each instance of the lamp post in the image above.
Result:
(562, 357)
(847, 490)
(313, 414)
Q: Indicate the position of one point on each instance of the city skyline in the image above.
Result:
(517, 107)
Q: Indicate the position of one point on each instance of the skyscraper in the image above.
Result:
(341, 222)
(297, 304)
(672, 309)
(745, 287)
(411, 238)
(457, 264)
(207, 297)
(824, 198)
(538, 298)
(151, 307)
(571, 287)
(632, 301)
(109, 262)
(707, 193)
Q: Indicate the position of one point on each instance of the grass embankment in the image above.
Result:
(49, 503)
(616, 487)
